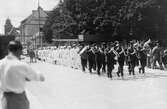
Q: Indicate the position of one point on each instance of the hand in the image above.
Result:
(27, 79)
(42, 78)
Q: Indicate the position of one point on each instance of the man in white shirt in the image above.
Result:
(13, 77)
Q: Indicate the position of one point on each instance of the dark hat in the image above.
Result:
(103, 43)
(94, 44)
(116, 42)
(156, 41)
(14, 46)
(111, 44)
(132, 41)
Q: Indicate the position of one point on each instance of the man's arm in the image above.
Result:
(33, 75)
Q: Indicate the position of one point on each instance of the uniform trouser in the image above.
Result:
(104, 66)
(110, 67)
(155, 59)
(143, 64)
(31, 59)
(91, 65)
(83, 63)
(98, 67)
(131, 67)
(11, 100)
(120, 68)
(164, 61)
(126, 60)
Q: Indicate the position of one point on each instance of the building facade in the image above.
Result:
(31, 26)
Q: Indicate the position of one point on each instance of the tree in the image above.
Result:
(106, 16)
(114, 18)
(59, 21)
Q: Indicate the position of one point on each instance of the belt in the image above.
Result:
(13, 93)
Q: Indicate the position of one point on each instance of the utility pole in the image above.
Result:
(40, 36)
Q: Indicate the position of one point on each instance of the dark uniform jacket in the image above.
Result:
(90, 56)
(131, 54)
(98, 56)
(110, 57)
(121, 57)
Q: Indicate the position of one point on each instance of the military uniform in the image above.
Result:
(164, 59)
(110, 61)
(98, 60)
(91, 60)
(103, 61)
(32, 55)
(142, 56)
(157, 57)
(121, 60)
(131, 60)
(83, 56)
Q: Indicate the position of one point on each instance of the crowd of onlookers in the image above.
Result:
(102, 57)
(62, 55)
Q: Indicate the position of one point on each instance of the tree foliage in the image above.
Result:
(112, 17)
(58, 24)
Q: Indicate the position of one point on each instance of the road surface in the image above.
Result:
(66, 88)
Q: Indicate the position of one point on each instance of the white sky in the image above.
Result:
(18, 10)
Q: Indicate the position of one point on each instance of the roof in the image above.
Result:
(47, 12)
(23, 21)
(34, 14)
